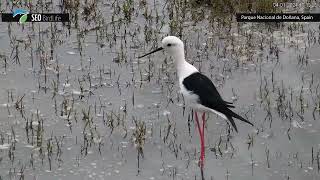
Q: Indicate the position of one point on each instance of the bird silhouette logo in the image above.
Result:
(22, 12)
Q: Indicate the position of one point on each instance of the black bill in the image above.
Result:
(158, 49)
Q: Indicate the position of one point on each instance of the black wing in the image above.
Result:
(209, 96)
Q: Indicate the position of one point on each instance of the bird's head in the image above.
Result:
(171, 45)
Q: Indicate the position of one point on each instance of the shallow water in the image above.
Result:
(77, 104)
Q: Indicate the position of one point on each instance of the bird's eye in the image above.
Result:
(169, 45)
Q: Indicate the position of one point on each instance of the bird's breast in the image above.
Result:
(189, 96)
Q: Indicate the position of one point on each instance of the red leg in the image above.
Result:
(201, 140)
(198, 124)
(203, 124)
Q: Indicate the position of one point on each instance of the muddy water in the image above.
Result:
(76, 103)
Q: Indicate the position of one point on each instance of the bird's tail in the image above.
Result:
(232, 114)
(229, 104)
(232, 123)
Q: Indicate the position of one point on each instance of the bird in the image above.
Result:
(198, 90)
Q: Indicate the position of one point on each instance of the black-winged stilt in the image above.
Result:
(197, 89)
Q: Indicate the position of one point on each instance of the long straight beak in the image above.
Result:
(158, 49)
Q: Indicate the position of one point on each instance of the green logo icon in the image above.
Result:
(23, 18)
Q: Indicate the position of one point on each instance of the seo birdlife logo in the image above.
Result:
(24, 16)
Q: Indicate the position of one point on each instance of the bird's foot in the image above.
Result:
(201, 159)
(201, 163)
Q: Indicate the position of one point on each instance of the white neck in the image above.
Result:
(184, 68)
